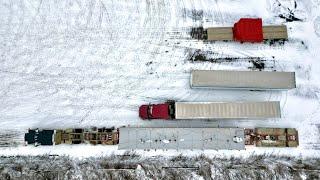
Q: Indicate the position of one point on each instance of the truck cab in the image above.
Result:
(39, 137)
(157, 111)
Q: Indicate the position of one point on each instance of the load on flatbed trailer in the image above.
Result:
(181, 138)
(272, 137)
(256, 80)
(245, 30)
(206, 138)
(211, 110)
(107, 136)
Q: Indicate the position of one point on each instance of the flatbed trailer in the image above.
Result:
(253, 80)
(168, 138)
(245, 30)
(206, 138)
(211, 110)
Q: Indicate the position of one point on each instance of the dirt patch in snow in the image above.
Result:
(254, 63)
(289, 14)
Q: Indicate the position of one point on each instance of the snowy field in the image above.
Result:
(132, 166)
(66, 64)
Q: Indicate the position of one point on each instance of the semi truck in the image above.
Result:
(93, 135)
(245, 30)
(253, 80)
(210, 110)
(206, 138)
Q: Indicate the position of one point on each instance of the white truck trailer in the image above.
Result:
(254, 80)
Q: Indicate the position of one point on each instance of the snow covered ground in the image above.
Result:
(68, 63)
(133, 166)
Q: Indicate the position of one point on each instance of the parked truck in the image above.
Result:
(106, 136)
(245, 30)
(253, 80)
(211, 110)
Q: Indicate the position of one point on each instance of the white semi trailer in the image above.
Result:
(255, 80)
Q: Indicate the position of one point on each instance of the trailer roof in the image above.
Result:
(243, 79)
(227, 110)
(181, 138)
(220, 34)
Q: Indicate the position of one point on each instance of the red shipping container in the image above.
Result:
(248, 30)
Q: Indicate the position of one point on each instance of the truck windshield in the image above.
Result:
(149, 111)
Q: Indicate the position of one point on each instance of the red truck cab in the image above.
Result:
(155, 111)
(248, 30)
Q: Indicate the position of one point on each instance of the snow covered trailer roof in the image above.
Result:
(227, 110)
(242, 79)
(181, 138)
